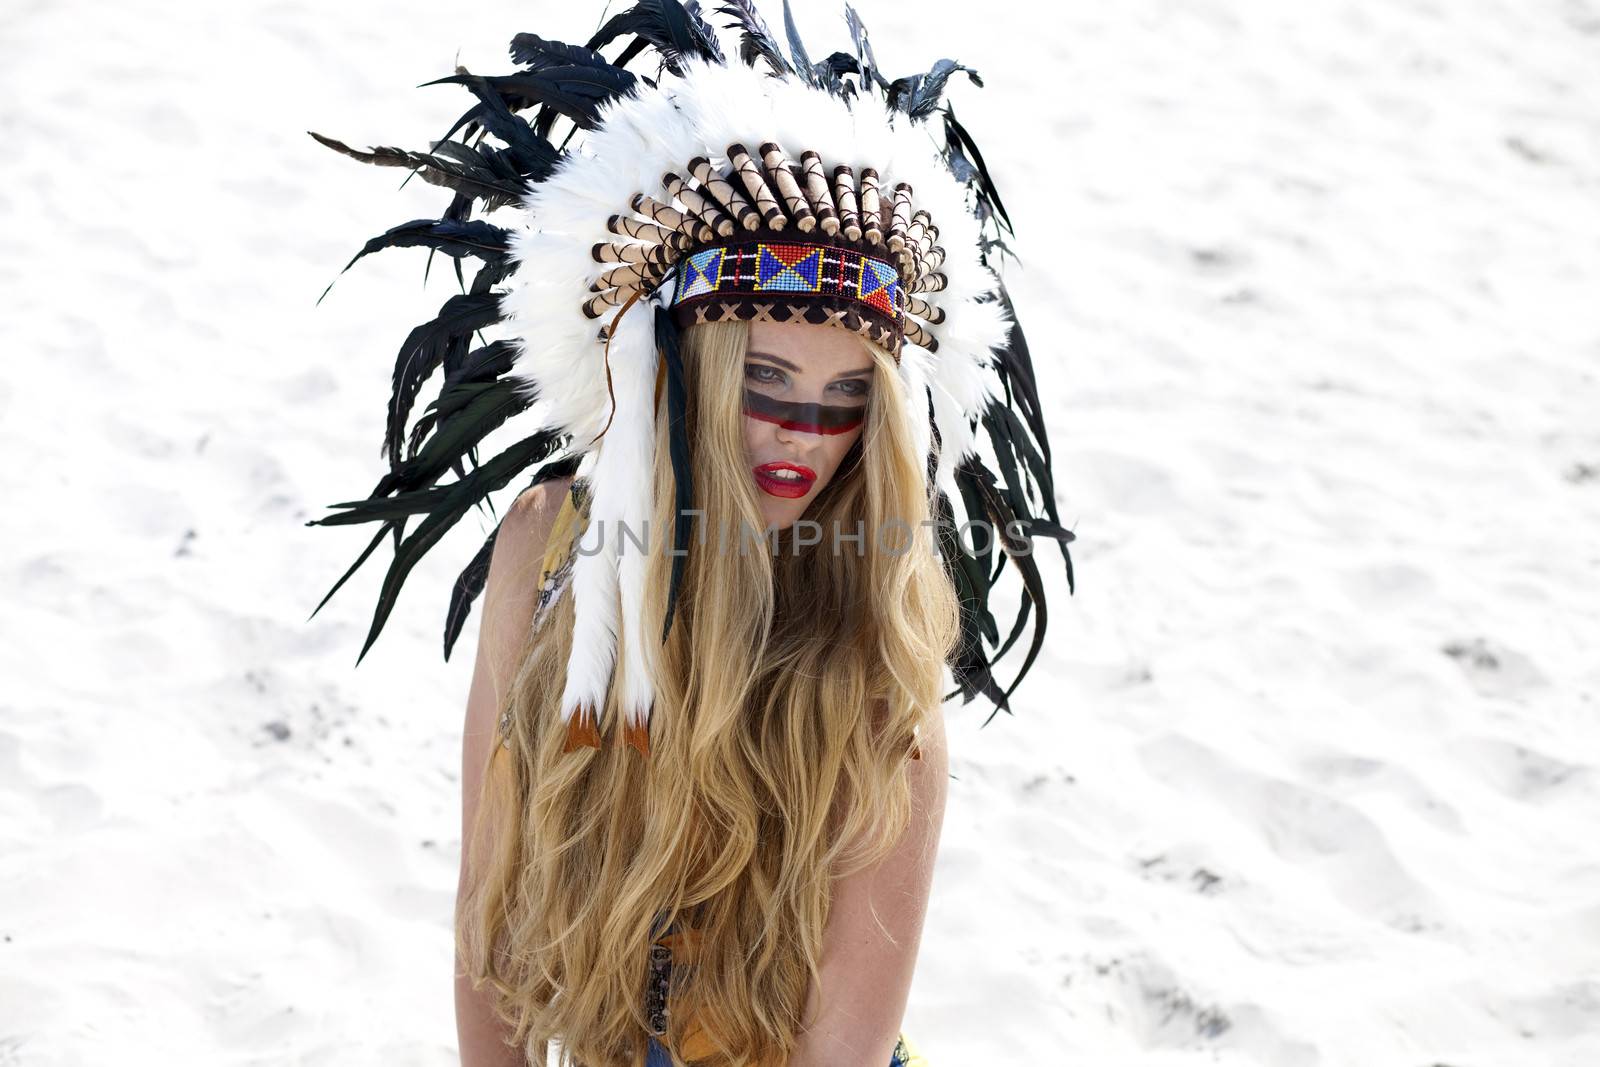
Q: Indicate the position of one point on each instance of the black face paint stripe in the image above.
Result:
(807, 418)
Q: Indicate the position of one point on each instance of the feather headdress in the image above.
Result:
(776, 189)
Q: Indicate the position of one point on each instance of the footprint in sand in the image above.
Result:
(1494, 669)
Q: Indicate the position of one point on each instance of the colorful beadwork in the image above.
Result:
(701, 274)
(801, 272)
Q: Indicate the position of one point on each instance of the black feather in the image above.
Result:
(703, 32)
(755, 40)
(968, 665)
(424, 351)
(466, 414)
(959, 142)
(866, 63)
(797, 47)
(831, 71)
(491, 274)
(530, 153)
(574, 92)
(537, 53)
(484, 240)
(1017, 549)
(675, 32)
(468, 584)
(481, 366)
(918, 96)
(481, 183)
(1016, 368)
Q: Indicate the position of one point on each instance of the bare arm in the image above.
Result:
(874, 930)
(510, 592)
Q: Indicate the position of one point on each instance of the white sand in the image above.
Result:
(1307, 773)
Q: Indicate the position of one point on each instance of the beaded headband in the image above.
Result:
(773, 281)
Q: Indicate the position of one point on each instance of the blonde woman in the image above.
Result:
(785, 437)
(780, 823)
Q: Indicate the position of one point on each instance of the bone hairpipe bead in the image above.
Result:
(871, 209)
(672, 219)
(900, 220)
(933, 260)
(844, 191)
(772, 216)
(930, 283)
(648, 232)
(908, 263)
(917, 232)
(917, 248)
(924, 310)
(698, 203)
(613, 252)
(685, 223)
(918, 336)
(722, 191)
(921, 253)
(794, 201)
(638, 275)
(817, 192)
(905, 263)
(595, 306)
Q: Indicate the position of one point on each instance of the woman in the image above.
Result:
(740, 832)
(704, 774)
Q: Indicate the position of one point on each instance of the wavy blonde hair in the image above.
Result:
(790, 689)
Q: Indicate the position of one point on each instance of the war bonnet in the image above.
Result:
(774, 189)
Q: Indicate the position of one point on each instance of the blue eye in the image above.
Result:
(758, 371)
(854, 387)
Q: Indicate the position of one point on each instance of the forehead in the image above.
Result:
(826, 349)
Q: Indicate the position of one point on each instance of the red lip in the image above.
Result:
(787, 489)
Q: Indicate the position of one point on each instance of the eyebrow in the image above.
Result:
(780, 361)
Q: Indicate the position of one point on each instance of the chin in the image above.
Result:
(780, 518)
(782, 514)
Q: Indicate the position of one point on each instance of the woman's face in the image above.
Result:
(805, 404)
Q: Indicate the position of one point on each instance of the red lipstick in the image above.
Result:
(791, 488)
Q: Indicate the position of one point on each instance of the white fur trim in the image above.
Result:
(620, 494)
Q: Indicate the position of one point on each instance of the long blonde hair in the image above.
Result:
(790, 689)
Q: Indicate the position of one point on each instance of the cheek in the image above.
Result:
(755, 435)
(838, 445)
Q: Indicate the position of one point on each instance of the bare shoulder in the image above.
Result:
(512, 587)
(524, 532)
(526, 527)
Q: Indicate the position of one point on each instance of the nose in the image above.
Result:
(794, 440)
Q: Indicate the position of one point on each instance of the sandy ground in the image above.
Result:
(1307, 775)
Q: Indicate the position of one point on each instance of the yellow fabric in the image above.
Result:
(561, 536)
(910, 1057)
